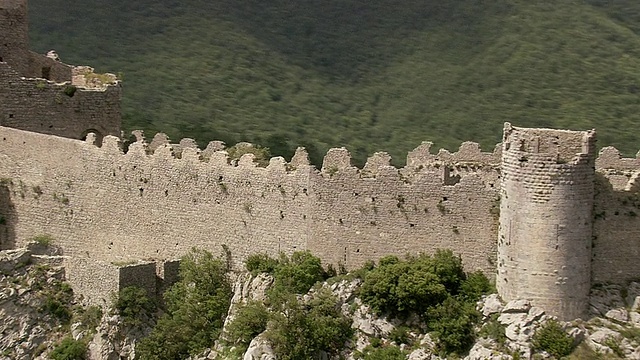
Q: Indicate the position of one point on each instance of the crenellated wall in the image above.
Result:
(113, 206)
(563, 226)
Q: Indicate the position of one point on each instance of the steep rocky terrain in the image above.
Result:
(34, 304)
(41, 318)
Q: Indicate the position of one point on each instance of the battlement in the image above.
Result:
(563, 145)
(336, 164)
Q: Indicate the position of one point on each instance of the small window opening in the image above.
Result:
(46, 72)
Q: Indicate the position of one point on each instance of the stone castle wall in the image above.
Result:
(112, 206)
(157, 201)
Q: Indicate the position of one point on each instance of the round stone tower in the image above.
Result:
(546, 206)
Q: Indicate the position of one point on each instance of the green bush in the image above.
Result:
(452, 324)
(196, 307)
(552, 338)
(251, 320)
(70, 90)
(474, 286)
(69, 349)
(132, 303)
(400, 335)
(414, 285)
(56, 296)
(89, 317)
(493, 329)
(301, 331)
(56, 308)
(382, 353)
(260, 263)
(296, 275)
(43, 239)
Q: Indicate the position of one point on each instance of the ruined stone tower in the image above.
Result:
(63, 100)
(14, 37)
(544, 240)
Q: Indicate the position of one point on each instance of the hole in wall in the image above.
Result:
(46, 72)
(99, 136)
(166, 193)
(141, 191)
(10, 116)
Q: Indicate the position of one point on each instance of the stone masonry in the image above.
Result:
(546, 212)
(541, 211)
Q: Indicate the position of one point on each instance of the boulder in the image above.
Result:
(492, 305)
(517, 306)
(619, 314)
(11, 259)
(259, 349)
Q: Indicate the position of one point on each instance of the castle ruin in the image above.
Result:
(39, 93)
(542, 211)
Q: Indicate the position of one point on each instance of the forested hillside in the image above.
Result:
(369, 75)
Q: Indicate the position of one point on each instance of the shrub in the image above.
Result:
(133, 304)
(260, 263)
(400, 287)
(452, 324)
(261, 154)
(43, 239)
(69, 349)
(382, 353)
(400, 335)
(251, 320)
(56, 308)
(56, 296)
(474, 286)
(89, 317)
(552, 338)
(70, 90)
(196, 308)
(301, 331)
(493, 329)
(296, 275)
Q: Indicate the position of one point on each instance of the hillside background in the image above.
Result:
(369, 75)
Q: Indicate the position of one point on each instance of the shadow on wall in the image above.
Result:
(616, 230)
(7, 217)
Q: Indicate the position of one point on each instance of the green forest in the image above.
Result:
(368, 75)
